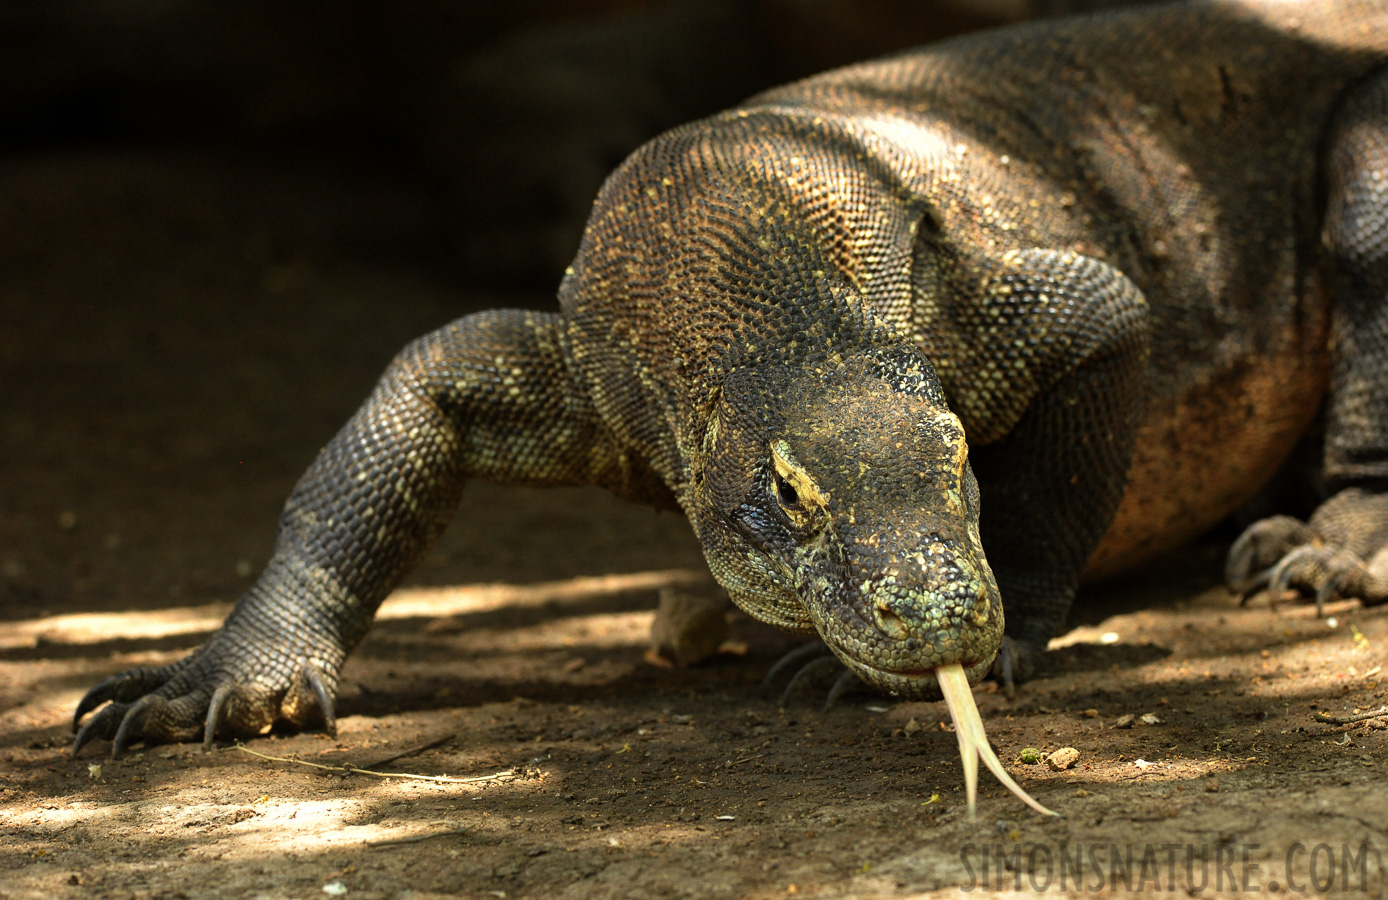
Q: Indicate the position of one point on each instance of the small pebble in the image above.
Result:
(1063, 758)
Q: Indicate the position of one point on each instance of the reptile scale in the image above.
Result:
(910, 343)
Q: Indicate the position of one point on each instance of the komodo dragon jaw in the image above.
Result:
(849, 508)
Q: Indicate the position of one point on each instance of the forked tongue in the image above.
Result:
(973, 742)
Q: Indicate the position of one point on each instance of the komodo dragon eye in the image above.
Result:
(796, 493)
(786, 495)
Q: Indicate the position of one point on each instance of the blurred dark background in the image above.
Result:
(503, 116)
(219, 220)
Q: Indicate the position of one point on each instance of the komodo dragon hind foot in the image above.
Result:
(1341, 552)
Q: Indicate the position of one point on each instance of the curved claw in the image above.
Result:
(313, 679)
(1239, 561)
(1330, 586)
(1258, 548)
(1341, 574)
(1006, 668)
(100, 727)
(216, 713)
(1253, 585)
(102, 691)
(1280, 579)
(1017, 660)
(134, 716)
(845, 683)
(795, 658)
(807, 671)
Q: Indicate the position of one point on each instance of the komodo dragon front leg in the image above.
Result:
(1343, 548)
(487, 396)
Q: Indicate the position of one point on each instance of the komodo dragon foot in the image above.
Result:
(220, 689)
(806, 664)
(1017, 661)
(1342, 551)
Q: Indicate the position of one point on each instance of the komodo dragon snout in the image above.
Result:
(853, 512)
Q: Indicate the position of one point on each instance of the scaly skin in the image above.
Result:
(1092, 249)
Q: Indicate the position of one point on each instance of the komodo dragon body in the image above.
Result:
(1129, 258)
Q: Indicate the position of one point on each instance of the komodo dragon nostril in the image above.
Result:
(890, 621)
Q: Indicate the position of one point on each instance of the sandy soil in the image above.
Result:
(179, 334)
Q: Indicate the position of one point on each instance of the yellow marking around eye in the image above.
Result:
(790, 469)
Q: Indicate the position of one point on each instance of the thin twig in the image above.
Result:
(407, 753)
(1350, 718)
(415, 838)
(738, 762)
(349, 770)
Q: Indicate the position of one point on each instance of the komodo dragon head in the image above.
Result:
(837, 497)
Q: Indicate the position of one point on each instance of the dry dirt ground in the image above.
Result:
(179, 333)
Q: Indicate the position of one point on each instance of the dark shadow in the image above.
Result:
(46, 649)
(509, 618)
(1165, 582)
(1098, 657)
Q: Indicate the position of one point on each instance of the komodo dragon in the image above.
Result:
(1130, 258)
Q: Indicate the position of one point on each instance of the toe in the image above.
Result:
(792, 662)
(123, 688)
(1016, 662)
(309, 702)
(1259, 548)
(847, 683)
(155, 719)
(100, 727)
(808, 672)
(1318, 571)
